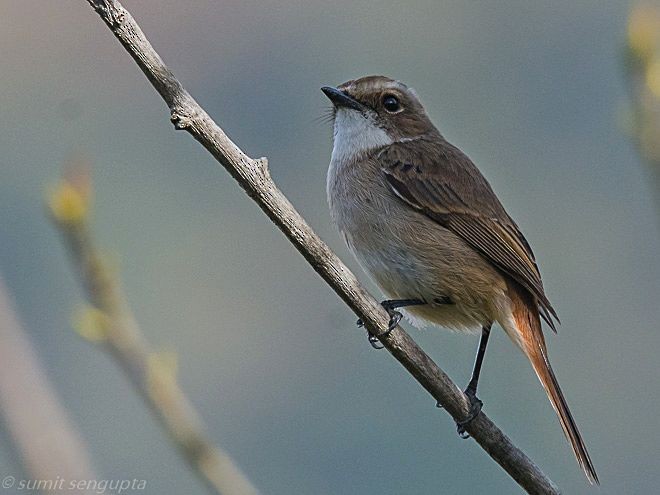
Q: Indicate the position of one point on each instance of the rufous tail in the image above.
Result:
(530, 339)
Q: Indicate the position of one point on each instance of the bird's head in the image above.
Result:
(375, 111)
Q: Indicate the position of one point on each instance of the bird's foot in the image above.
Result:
(395, 318)
(475, 409)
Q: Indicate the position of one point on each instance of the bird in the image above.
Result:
(427, 227)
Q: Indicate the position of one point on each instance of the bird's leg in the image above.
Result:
(390, 305)
(471, 390)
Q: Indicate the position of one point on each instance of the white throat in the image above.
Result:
(354, 135)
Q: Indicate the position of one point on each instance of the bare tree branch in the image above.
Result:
(253, 176)
(48, 443)
(111, 323)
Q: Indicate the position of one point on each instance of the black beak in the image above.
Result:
(340, 99)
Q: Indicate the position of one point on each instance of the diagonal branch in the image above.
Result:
(42, 433)
(110, 322)
(253, 176)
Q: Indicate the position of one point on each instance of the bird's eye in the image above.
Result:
(391, 103)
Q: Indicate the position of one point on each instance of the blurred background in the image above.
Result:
(535, 92)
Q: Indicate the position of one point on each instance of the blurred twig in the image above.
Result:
(110, 323)
(254, 178)
(48, 443)
(643, 71)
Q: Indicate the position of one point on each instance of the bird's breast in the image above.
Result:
(407, 254)
(376, 226)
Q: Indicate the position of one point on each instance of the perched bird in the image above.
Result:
(427, 227)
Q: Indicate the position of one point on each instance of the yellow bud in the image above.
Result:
(162, 364)
(91, 324)
(68, 204)
(653, 77)
(649, 142)
(169, 360)
(161, 375)
(644, 30)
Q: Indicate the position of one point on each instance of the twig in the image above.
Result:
(113, 325)
(642, 63)
(253, 176)
(49, 445)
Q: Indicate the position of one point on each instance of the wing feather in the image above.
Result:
(436, 178)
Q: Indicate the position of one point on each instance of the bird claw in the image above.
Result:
(375, 343)
(395, 318)
(475, 410)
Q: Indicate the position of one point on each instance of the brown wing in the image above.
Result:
(440, 181)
